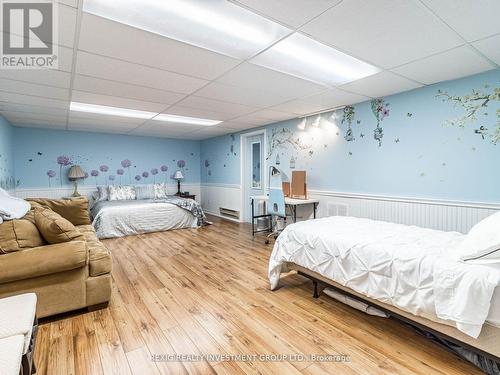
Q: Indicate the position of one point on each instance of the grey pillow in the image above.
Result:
(144, 192)
(103, 193)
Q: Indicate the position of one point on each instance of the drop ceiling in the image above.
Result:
(412, 43)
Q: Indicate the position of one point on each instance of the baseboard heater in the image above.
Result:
(227, 212)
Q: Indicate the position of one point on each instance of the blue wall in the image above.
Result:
(7, 178)
(430, 148)
(41, 153)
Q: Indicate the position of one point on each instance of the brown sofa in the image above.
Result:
(65, 276)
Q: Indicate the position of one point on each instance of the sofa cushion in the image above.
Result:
(99, 256)
(54, 228)
(75, 210)
(19, 234)
(43, 260)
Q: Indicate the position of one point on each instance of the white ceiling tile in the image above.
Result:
(273, 115)
(65, 62)
(48, 77)
(472, 19)
(25, 88)
(256, 77)
(115, 101)
(40, 124)
(122, 71)
(112, 88)
(490, 47)
(28, 116)
(199, 113)
(236, 126)
(13, 107)
(107, 128)
(67, 25)
(32, 100)
(160, 130)
(170, 126)
(97, 119)
(381, 84)
(105, 37)
(458, 62)
(386, 33)
(249, 119)
(240, 95)
(216, 106)
(207, 133)
(291, 12)
(325, 100)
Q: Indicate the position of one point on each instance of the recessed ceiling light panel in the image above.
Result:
(110, 111)
(186, 120)
(306, 58)
(217, 25)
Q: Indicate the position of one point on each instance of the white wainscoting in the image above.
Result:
(215, 196)
(60, 192)
(434, 214)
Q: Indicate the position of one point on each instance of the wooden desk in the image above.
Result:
(291, 203)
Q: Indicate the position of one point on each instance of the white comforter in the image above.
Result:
(409, 267)
(124, 220)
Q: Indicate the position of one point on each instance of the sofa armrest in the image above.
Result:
(43, 260)
(76, 211)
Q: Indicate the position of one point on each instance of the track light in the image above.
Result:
(316, 121)
(302, 124)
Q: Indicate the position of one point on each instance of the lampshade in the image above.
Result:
(178, 175)
(76, 172)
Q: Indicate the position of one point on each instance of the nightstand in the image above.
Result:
(188, 196)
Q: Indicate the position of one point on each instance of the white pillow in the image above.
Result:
(482, 243)
(121, 193)
(160, 191)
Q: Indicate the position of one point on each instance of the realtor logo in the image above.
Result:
(29, 34)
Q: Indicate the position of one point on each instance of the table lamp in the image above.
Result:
(76, 173)
(178, 176)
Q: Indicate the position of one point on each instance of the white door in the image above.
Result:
(253, 172)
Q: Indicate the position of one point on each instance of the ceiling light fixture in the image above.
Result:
(302, 124)
(110, 111)
(316, 121)
(185, 120)
(217, 25)
(306, 58)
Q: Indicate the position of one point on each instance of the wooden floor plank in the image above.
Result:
(205, 291)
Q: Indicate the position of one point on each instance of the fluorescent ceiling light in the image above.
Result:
(111, 111)
(217, 25)
(185, 120)
(306, 58)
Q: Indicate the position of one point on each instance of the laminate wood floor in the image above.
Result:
(205, 291)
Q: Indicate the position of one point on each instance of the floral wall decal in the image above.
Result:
(126, 164)
(51, 174)
(475, 106)
(120, 173)
(347, 117)
(137, 178)
(281, 138)
(380, 111)
(154, 172)
(181, 163)
(145, 174)
(94, 173)
(164, 169)
(63, 161)
(104, 169)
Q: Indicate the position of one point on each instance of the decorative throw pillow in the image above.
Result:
(19, 234)
(103, 193)
(160, 191)
(121, 193)
(144, 192)
(76, 210)
(54, 228)
(482, 243)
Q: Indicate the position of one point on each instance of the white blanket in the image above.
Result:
(409, 267)
(11, 207)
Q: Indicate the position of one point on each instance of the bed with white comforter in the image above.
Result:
(412, 268)
(130, 217)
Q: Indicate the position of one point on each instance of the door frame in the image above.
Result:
(243, 152)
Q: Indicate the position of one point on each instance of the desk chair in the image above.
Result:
(276, 203)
